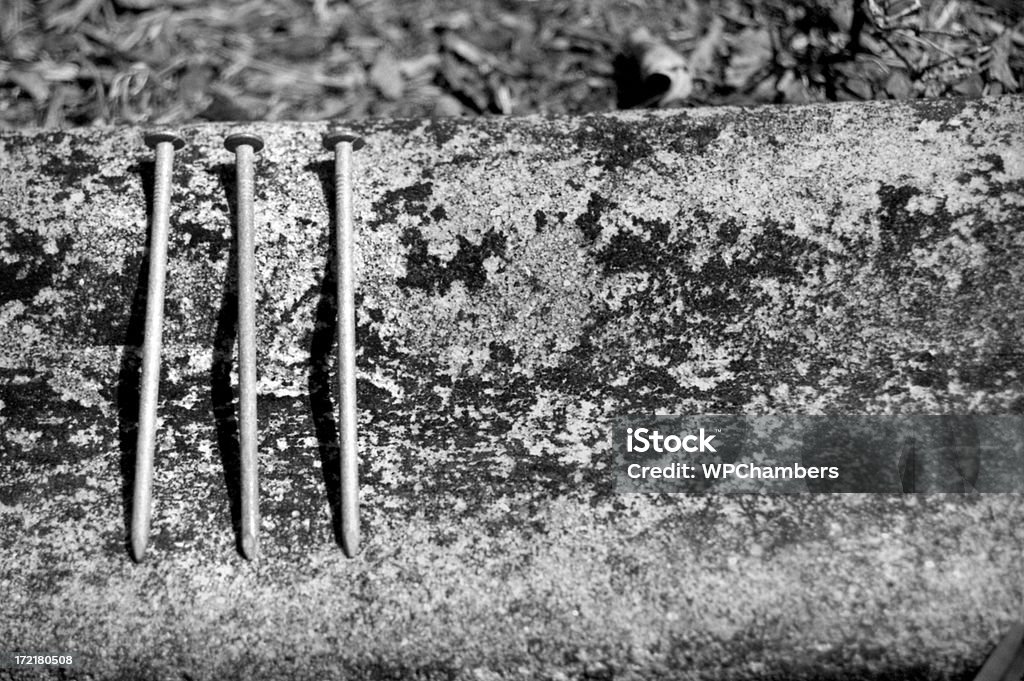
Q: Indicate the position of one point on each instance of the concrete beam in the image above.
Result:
(521, 282)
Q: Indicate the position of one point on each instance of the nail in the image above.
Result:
(165, 143)
(343, 144)
(245, 147)
(1007, 660)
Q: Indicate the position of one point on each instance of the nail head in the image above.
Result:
(333, 139)
(232, 142)
(152, 139)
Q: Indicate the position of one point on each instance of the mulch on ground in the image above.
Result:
(103, 62)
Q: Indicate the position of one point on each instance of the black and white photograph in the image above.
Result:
(494, 340)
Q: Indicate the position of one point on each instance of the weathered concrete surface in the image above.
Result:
(522, 281)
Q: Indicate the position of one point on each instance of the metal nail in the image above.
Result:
(165, 144)
(343, 144)
(245, 147)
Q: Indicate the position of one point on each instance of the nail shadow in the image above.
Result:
(130, 372)
(222, 395)
(320, 385)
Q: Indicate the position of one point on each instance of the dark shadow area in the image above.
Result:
(631, 90)
(907, 466)
(222, 395)
(842, 670)
(828, 64)
(320, 403)
(130, 372)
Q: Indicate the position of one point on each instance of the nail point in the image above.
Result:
(250, 548)
(350, 542)
(138, 549)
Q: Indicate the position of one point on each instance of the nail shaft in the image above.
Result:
(245, 148)
(343, 146)
(142, 502)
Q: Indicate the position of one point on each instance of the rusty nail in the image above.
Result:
(343, 144)
(245, 147)
(165, 144)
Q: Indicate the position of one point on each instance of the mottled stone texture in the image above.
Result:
(521, 282)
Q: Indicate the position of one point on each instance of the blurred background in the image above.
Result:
(105, 62)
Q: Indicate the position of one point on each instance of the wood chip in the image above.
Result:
(386, 76)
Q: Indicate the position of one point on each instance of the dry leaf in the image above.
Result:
(32, 83)
(502, 97)
(702, 58)
(386, 76)
(453, 21)
(886, 13)
(150, 4)
(1010, 9)
(230, 105)
(463, 49)
(464, 82)
(426, 64)
(860, 87)
(751, 54)
(792, 88)
(446, 105)
(972, 86)
(998, 65)
(195, 82)
(69, 18)
(898, 85)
